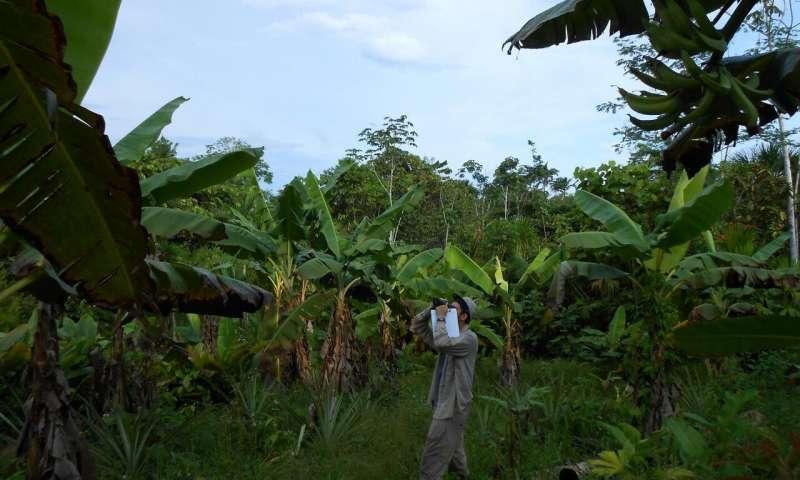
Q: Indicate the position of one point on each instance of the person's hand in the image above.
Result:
(441, 312)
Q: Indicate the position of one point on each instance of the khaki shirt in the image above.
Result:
(451, 388)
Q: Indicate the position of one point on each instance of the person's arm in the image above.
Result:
(459, 346)
(421, 326)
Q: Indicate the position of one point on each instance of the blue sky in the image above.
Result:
(303, 77)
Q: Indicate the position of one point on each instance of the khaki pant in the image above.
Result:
(444, 447)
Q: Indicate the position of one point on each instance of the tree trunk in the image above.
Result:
(50, 441)
(388, 353)
(790, 201)
(509, 368)
(209, 325)
(117, 366)
(337, 350)
(663, 393)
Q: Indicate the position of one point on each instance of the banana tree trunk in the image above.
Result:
(50, 440)
(388, 352)
(117, 366)
(509, 368)
(209, 325)
(337, 350)
(663, 393)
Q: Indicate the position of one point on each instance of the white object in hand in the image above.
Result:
(450, 323)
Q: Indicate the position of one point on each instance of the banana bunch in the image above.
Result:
(677, 32)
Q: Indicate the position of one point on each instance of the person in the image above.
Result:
(450, 394)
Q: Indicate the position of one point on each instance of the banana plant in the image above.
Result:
(660, 270)
(341, 262)
(700, 101)
(506, 297)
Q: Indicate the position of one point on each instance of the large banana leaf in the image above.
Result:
(323, 213)
(577, 20)
(571, 269)
(238, 241)
(735, 276)
(169, 223)
(536, 265)
(690, 221)
(419, 262)
(61, 189)
(88, 25)
(615, 220)
(380, 226)
(737, 335)
(592, 240)
(764, 253)
(133, 145)
(290, 214)
(195, 290)
(319, 266)
(458, 260)
(192, 177)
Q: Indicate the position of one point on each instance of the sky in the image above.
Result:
(303, 77)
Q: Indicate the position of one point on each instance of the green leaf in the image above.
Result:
(241, 242)
(615, 220)
(738, 276)
(195, 290)
(323, 212)
(486, 332)
(592, 240)
(420, 261)
(617, 327)
(367, 323)
(764, 253)
(380, 226)
(576, 20)
(133, 145)
(688, 222)
(458, 260)
(571, 269)
(691, 444)
(292, 327)
(498, 275)
(290, 214)
(9, 339)
(192, 177)
(729, 336)
(88, 25)
(441, 287)
(61, 189)
(536, 265)
(318, 267)
(226, 337)
(169, 223)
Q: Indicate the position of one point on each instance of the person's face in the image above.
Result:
(457, 306)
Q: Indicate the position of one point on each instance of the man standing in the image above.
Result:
(451, 389)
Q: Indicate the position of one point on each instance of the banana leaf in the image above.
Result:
(290, 214)
(764, 253)
(571, 269)
(341, 168)
(486, 332)
(367, 323)
(323, 213)
(318, 267)
(690, 221)
(458, 260)
(419, 262)
(191, 177)
(778, 71)
(613, 218)
(380, 226)
(729, 336)
(195, 290)
(241, 242)
(573, 21)
(133, 145)
(592, 241)
(441, 287)
(88, 25)
(735, 277)
(61, 189)
(170, 223)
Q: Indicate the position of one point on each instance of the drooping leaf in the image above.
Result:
(341, 168)
(169, 223)
(318, 267)
(616, 327)
(458, 260)
(320, 205)
(498, 275)
(764, 253)
(736, 276)
(61, 189)
(615, 220)
(195, 290)
(486, 332)
(367, 323)
(592, 240)
(688, 222)
(729, 336)
(241, 242)
(88, 25)
(577, 20)
(133, 145)
(574, 269)
(191, 177)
